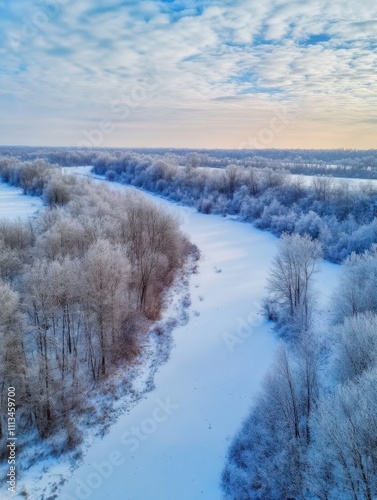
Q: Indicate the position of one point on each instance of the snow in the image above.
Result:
(81, 170)
(173, 443)
(325, 283)
(306, 179)
(356, 182)
(215, 367)
(13, 204)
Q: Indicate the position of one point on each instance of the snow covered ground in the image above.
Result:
(173, 443)
(14, 204)
(307, 179)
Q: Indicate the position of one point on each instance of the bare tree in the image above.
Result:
(105, 282)
(193, 160)
(252, 180)
(356, 345)
(268, 456)
(345, 426)
(12, 355)
(323, 188)
(357, 288)
(232, 176)
(291, 275)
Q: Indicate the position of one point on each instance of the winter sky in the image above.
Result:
(189, 73)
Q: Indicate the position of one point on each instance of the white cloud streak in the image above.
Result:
(224, 67)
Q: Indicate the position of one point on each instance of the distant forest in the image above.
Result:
(335, 162)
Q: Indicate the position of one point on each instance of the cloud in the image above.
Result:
(62, 60)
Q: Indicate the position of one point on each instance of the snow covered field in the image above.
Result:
(14, 204)
(307, 179)
(217, 364)
(173, 444)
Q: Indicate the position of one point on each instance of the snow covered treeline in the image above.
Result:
(38, 178)
(334, 162)
(340, 215)
(80, 286)
(312, 431)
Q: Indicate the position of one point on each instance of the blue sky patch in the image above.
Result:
(316, 39)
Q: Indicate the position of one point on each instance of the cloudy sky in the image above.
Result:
(189, 73)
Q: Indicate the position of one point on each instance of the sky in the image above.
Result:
(189, 73)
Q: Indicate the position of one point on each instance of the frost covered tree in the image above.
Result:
(153, 250)
(323, 188)
(268, 456)
(357, 289)
(193, 160)
(12, 355)
(291, 277)
(106, 277)
(343, 458)
(355, 345)
(89, 275)
(232, 178)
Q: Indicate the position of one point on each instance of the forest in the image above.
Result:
(81, 286)
(311, 431)
(340, 215)
(333, 162)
